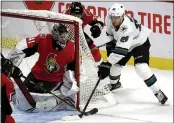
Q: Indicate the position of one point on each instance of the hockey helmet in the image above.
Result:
(60, 35)
(116, 10)
(76, 9)
(116, 14)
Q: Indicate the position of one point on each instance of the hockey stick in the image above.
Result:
(24, 90)
(75, 117)
(91, 112)
(102, 45)
(99, 46)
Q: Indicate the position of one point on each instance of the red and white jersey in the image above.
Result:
(87, 17)
(51, 63)
(5, 81)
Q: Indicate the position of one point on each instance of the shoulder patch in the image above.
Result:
(123, 28)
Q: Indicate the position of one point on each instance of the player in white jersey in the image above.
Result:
(129, 38)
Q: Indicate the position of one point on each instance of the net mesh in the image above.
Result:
(16, 29)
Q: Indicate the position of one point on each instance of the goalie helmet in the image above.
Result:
(60, 34)
(76, 9)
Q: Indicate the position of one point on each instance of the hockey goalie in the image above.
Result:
(53, 72)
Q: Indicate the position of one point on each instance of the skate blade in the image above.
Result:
(115, 90)
(167, 103)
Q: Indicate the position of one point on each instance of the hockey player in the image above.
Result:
(131, 40)
(7, 87)
(50, 72)
(87, 17)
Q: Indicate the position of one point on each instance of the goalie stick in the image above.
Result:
(91, 112)
(76, 117)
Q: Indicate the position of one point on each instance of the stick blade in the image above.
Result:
(69, 118)
(91, 112)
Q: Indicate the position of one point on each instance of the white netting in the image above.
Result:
(15, 29)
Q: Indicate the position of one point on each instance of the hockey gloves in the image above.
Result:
(17, 73)
(6, 65)
(9, 69)
(95, 31)
(104, 69)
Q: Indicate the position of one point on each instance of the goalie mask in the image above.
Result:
(60, 36)
(76, 9)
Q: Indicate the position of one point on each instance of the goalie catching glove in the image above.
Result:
(104, 69)
(69, 86)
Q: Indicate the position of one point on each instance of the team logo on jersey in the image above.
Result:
(51, 65)
(113, 9)
(39, 4)
(124, 28)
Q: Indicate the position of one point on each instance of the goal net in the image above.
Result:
(20, 24)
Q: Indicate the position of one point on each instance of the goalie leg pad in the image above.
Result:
(69, 86)
(44, 102)
(21, 102)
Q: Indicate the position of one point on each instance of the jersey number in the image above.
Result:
(137, 25)
(124, 39)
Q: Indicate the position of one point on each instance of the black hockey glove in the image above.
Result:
(6, 66)
(16, 73)
(95, 31)
(104, 69)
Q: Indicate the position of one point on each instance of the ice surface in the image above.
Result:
(136, 103)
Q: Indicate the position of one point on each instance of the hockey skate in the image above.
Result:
(162, 98)
(115, 86)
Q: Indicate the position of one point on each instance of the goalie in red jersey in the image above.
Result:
(51, 72)
(96, 24)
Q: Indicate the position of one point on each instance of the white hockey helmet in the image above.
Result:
(116, 10)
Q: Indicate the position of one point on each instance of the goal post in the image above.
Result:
(42, 21)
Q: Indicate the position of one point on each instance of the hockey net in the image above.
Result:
(19, 24)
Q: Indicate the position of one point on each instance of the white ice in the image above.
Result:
(136, 103)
